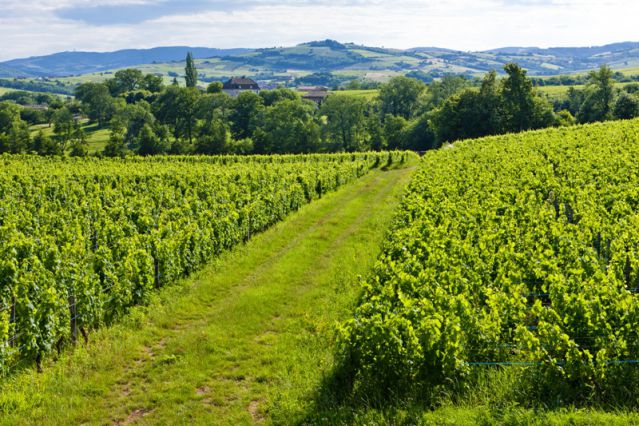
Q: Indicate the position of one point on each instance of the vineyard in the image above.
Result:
(83, 240)
(517, 253)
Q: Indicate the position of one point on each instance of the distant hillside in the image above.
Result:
(569, 59)
(346, 61)
(7, 71)
(74, 63)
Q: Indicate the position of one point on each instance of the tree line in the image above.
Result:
(146, 117)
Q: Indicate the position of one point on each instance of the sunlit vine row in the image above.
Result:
(83, 240)
(519, 250)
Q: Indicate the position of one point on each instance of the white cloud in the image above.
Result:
(31, 27)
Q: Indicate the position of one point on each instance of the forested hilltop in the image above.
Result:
(137, 113)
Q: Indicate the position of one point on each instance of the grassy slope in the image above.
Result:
(368, 95)
(248, 338)
(97, 138)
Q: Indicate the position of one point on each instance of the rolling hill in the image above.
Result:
(344, 61)
(73, 63)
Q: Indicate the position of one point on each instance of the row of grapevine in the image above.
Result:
(83, 240)
(518, 250)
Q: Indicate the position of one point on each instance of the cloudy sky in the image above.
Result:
(34, 27)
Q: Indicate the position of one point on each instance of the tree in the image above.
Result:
(214, 138)
(17, 140)
(393, 128)
(626, 106)
(600, 95)
(149, 143)
(214, 106)
(246, 108)
(459, 117)
(153, 83)
(517, 93)
(33, 116)
(375, 128)
(79, 145)
(346, 122)
(574, 100)
(116, 147)
(400, 96)
(632, 88)
(271, 97)
(97, 102)
(439, 91)
(64, 127)
(9, 115)
(190, 71)
(177, 108)
(287, 127)
(491, 106)
(241, 147)
(471, 113)
(133, 118)
(214, 87)
(14, 132)
(40, 143)
(126, 80)
(565, 118)
(418, 134)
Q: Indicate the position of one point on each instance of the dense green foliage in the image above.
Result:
(146, 117)
(505, 106)
(82, 240)
(514, 250)
(600, 99)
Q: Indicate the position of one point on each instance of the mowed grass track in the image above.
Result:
(249, 339)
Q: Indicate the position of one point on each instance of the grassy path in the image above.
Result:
(247, 340)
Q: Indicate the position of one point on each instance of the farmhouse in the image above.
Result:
(237, 85)
(317, 94)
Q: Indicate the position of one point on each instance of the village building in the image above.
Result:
(317, 94)
(237, 85)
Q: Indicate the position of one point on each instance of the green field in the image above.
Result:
(97, 137)
(365, 94)
(630, 71)
(557, 91)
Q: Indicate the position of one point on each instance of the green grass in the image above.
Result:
(97, 137)
(630, 71)
(557, 91)
(4, 90)
(365, 94)
(249, 338)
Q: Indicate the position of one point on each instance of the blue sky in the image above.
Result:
(33, 27)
